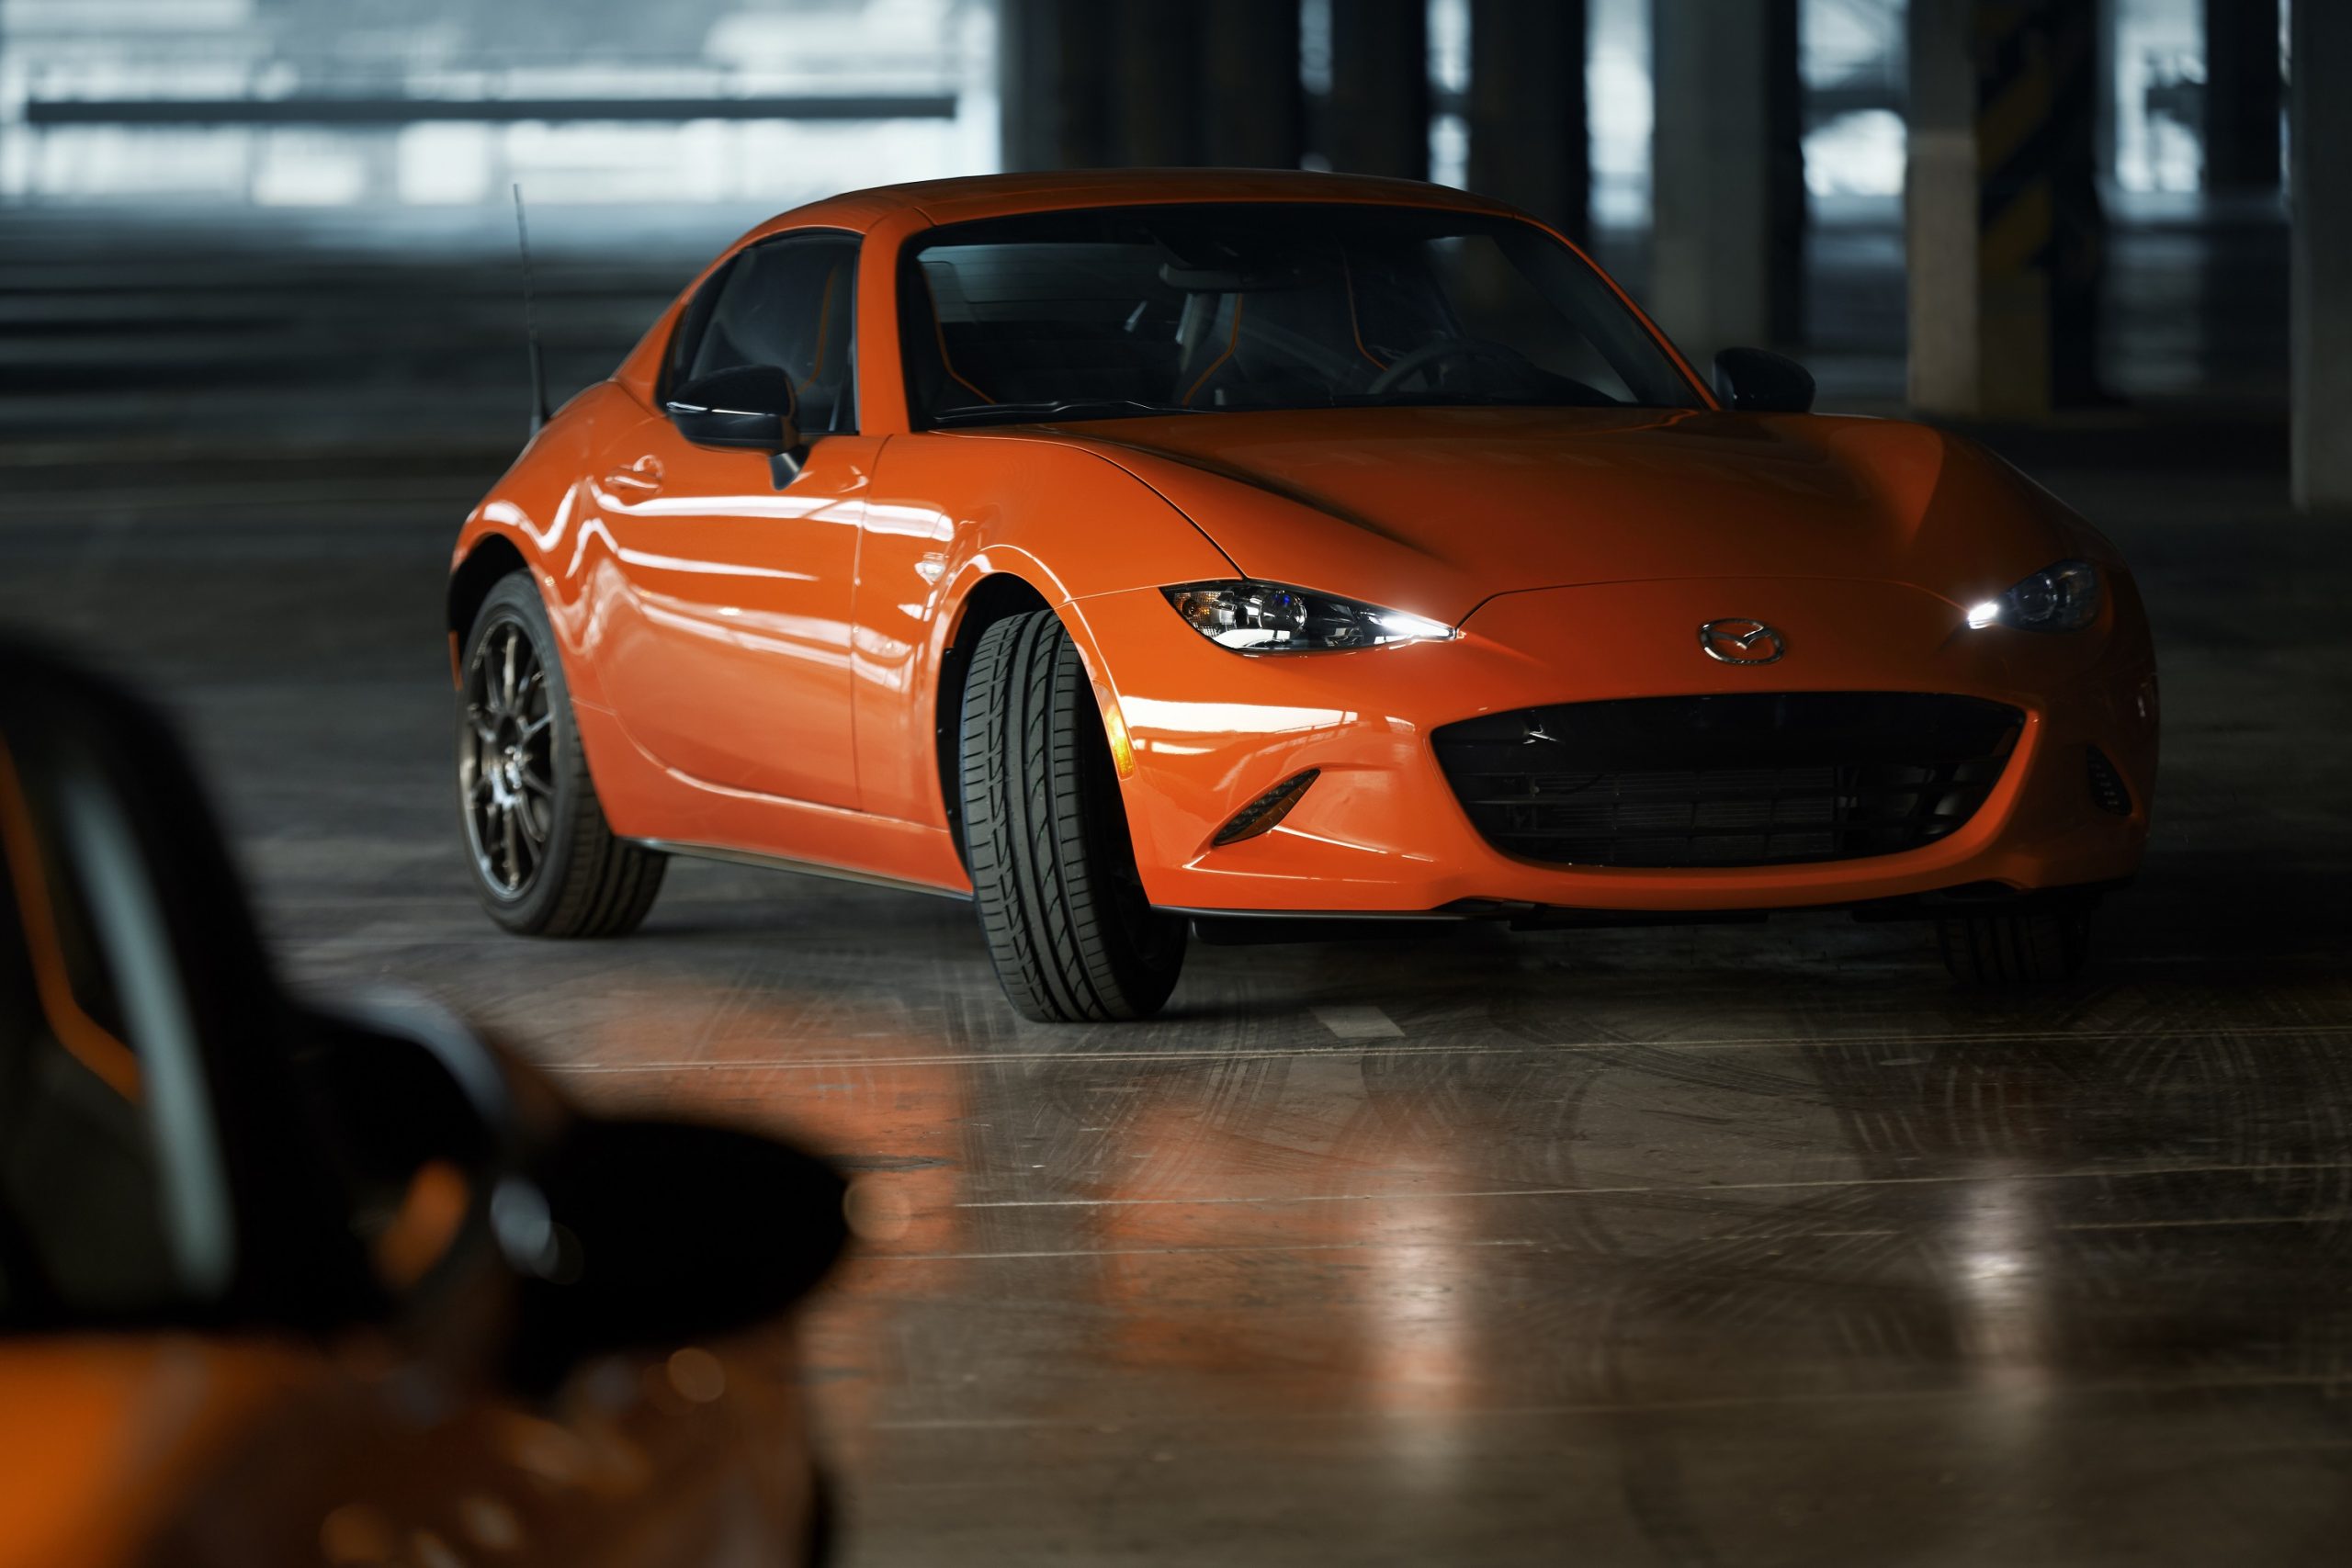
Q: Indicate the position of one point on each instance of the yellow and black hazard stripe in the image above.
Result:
(2038, 224)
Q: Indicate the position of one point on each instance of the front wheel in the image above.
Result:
(1053, 865)
(545, 864)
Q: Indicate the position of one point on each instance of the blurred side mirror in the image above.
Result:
(160, 1169)
(1756, 381)
(754, 408)
(648, 1233)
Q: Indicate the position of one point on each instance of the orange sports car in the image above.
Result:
(284, 1288)
(1145, 552)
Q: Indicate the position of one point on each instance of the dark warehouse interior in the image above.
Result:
(1734, 1242)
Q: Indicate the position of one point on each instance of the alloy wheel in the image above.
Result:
(505, 760)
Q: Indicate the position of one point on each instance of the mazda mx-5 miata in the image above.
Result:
(1256, 553)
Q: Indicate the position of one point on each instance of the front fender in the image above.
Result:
(951, 511)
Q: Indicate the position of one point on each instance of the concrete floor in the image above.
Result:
(1733, 1244)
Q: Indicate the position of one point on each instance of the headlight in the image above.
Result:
(1267, 617)
(2062, 598)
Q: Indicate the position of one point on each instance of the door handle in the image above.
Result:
(643, 477)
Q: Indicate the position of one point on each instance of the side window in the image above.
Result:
(788, 303)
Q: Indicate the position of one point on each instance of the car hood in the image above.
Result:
(1437, 511)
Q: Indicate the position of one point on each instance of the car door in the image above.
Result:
(726, 636)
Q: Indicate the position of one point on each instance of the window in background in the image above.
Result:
(1617, 87)
(1853, 59)
(1449, 81)
(292, 103)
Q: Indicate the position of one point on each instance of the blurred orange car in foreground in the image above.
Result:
(281, 1289)
(1138, 551)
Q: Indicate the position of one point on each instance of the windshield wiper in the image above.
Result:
(1053, 407)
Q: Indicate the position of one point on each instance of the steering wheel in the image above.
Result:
(1417, 361)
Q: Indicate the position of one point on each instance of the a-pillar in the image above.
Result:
(1529, 142)
(1727, 175)
(1379, 112)
(2320, 213)
(2003, 230)
(2242, 95)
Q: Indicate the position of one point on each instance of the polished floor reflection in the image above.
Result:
(1738, 1244)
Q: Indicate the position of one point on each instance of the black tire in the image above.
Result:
(2035, 947)
(544, 863)
(1053, 866)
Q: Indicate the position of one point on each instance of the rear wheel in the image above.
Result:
(544, 861)
(1053, 865)
(2023, 948)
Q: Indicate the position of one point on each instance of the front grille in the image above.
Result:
(1747, 779)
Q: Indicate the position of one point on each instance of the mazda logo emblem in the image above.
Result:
(1742, 642)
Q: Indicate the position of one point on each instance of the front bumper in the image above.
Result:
(1381, 831)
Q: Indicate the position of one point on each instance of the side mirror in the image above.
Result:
(621, 1234)
(1756, 381)
(753, 408)
(648, 1233)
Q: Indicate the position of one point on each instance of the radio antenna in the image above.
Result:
(531, 320)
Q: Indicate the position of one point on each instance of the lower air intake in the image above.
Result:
(1733, 780)
(1261, 814)
(2107, 789)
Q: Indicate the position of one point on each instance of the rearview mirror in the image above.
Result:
(645, 1233)
(1756, 381)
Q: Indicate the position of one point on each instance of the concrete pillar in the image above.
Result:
(1529, 144)
(1157, 48)
(2321, 212)
(2111, 99)
(2242, 95)
(1252, 114)
(2003, 228)
(1379, 113)
(1727, 182)
(1053, 67)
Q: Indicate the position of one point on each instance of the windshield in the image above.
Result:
(1161, 309)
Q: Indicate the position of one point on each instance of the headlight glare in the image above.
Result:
(2061, 598)
(1270, 617)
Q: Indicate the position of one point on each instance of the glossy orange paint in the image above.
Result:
(158, 1442)
(118, 1450)
(759, 671)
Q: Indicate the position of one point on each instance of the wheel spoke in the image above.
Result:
(505, 760)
